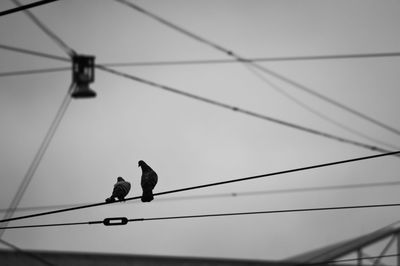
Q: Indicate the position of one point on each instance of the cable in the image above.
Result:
(47, 31)
(252, 60)
(29, 254)
(38, 157)
(123, 220)
(30, 52)
(206, 185)
(34, 71)
(228, 195)
(316, 112)
(243, 111)
(264, 69)
(20, 8)
(202, 99)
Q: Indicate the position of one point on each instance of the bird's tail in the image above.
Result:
(147, 195)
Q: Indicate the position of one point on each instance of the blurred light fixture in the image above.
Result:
(82, 76)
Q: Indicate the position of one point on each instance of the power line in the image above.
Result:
(206, 185)
(34, 71)
(123, 220)
(38, 157)
(243, 111)
(264, 69)
(20, 8)
(34, 53)
(317, 112)
(252, 60)
(231, 194)
(226, 106)
(47, 31)
(199, 62)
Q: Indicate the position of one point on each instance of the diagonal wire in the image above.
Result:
(207, 185)
(120, 220)
(34, 53)
(231, 194)
(264, 69)
(38, 157)
(316, 112)
(243, 111)
(20, 8)
(47, 31)
(29, 254)
(34, 71)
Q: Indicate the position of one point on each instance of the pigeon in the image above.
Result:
(148, 181)
(121, 189)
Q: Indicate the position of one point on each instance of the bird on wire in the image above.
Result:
(121, 189)
(148, 181)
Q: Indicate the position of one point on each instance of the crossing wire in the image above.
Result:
(209, 101)
(262, 68)
(205, 185)
(231, 194)
(21, 8)
(123, 220)
(241, 110)
(38, 157)
(47, 31)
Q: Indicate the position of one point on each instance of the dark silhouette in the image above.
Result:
(121, 189)
(148, 181)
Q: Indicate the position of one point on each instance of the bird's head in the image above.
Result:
(120, 179)
(141, 163)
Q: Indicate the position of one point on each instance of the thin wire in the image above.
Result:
(208, 61)
(231, 194)
(29, 254)
(243, 111)
(316, 112)
(17, 9)
(202, 99)
(47, 31)
(34, 53)
(38, 157)
(264, 69)
(335, 208)
(252, 60)
(34, 71)
(206, 185)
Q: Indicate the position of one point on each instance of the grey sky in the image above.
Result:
(189, 142)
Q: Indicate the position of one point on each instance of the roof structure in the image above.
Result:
(356, 246)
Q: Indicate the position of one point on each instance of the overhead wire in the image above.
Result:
(206, 185)
(317, 112)
(193, 62)
(230, 194)
(38, 157)
(21, 8)
(34, 53)
(53, 127)
(123, 220)
(241, 110)
(262, 68)
(47, 31)
(34, 71)
(203, 99)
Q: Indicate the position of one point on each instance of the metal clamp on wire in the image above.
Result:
(115, 221)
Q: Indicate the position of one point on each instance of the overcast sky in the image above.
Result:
(188, 142)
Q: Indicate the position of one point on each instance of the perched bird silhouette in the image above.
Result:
(121, 189)
(148, 181)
